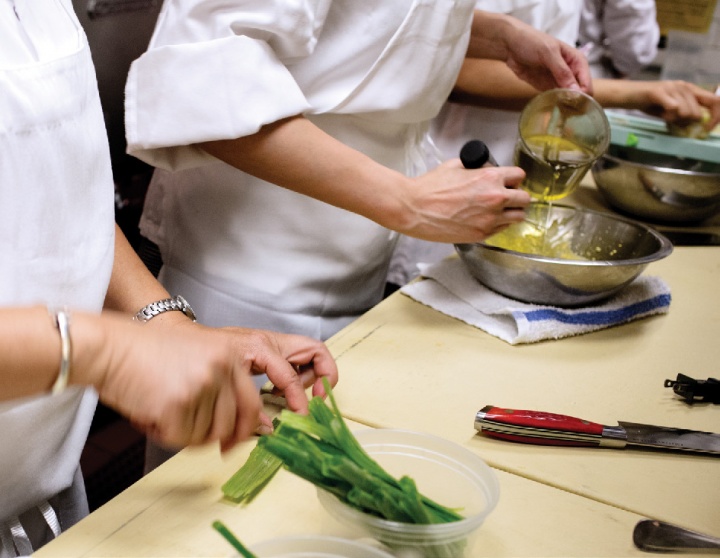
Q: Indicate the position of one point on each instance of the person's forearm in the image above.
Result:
(297, 155)
(30, 342)
(30, 351)
(488, 35)
(535, 57)
(620, 93)
(491, 84)
(132, 286)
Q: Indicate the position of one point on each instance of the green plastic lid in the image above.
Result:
(650, 134)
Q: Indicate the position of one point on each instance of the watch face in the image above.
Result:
(185, 307)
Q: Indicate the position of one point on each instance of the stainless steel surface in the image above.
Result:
(617, 251)
(657, 187)
(613, 437)
(662, 437)
(270, 396)
(657, 536)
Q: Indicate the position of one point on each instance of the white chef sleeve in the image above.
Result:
(632, 34)
(211, 73)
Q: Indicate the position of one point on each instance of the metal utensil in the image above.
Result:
(657, 536)
(536, 427)
(269, 395)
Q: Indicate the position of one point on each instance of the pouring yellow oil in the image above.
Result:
(554, 167)
(529, 239)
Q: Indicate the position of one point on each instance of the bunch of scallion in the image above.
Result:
(320, 448)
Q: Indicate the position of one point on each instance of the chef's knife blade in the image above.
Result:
(536, 427)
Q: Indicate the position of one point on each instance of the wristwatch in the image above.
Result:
(167, 305)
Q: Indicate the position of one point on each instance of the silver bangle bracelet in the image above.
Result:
(61, 320)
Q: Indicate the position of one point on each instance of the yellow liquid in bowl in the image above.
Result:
(529, 239)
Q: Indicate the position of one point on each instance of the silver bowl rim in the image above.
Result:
(669, 170)
(665, 249)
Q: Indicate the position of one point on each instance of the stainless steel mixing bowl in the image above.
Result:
(656, 187)
(614, 251)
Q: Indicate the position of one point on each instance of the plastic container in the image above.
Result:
(316, 547)
(443, 471)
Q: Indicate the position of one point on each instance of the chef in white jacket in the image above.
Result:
(290, 137)
(331, 101)
(63, 261)
(620, 37)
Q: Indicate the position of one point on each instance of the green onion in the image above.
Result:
(252, 477)
(232, 539)
(320, 448)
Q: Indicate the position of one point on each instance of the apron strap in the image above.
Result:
(14, 538)
(51, 518)
(15, 541)
(6, 540)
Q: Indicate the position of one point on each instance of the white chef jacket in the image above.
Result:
(626, 32)
(457, 124)
(56, 226)
(370, 73)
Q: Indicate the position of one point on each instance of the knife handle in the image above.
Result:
(535, 427)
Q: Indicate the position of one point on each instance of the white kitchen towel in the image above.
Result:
(448, 287)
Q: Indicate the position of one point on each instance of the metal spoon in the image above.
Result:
(657, 536)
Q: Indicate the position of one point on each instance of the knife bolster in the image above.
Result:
(613, 437)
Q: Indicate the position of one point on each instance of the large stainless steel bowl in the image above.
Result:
(656, 187)
(612, 251)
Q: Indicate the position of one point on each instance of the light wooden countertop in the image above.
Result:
(404, 365)
(170, 512)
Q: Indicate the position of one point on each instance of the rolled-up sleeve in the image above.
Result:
(211, 75)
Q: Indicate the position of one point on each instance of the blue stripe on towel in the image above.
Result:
(599, 317)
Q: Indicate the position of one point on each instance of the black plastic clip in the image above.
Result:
(695, 391)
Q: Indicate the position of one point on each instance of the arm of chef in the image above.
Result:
(536, 57)
(212, 73)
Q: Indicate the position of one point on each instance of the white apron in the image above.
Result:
(245, 252)
(56, 245)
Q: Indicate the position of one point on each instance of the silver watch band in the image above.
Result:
(176, 303)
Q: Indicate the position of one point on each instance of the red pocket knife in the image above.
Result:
(536, 427)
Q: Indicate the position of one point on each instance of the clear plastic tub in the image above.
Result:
(443, 471)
